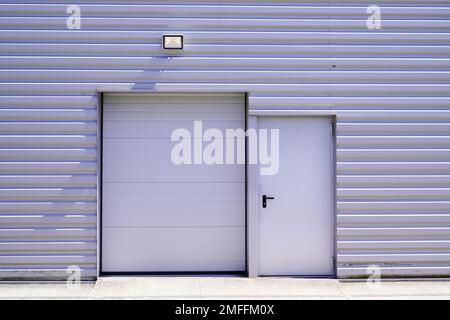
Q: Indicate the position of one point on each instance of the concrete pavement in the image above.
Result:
(227, 288)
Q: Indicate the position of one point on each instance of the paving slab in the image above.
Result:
(226, 288)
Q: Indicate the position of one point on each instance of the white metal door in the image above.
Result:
(158, 216)
(296, 227)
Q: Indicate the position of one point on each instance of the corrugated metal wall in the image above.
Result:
(389, 86)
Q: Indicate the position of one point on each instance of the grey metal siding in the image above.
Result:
(389, 87)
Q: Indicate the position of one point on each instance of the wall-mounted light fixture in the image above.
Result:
(172, 41)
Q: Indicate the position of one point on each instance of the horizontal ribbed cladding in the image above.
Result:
(401, 77)
(229, 37)
(47, 186)
(39, 23)
(226, 10)
(389, 88)
(240, 3)
(393, 186)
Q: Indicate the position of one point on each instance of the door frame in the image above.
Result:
(99, 133)
(253, 201)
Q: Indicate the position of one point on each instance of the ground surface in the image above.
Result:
(227, 288)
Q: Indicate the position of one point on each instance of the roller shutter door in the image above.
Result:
(162, 217)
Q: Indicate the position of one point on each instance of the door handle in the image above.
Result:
(264, 200)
